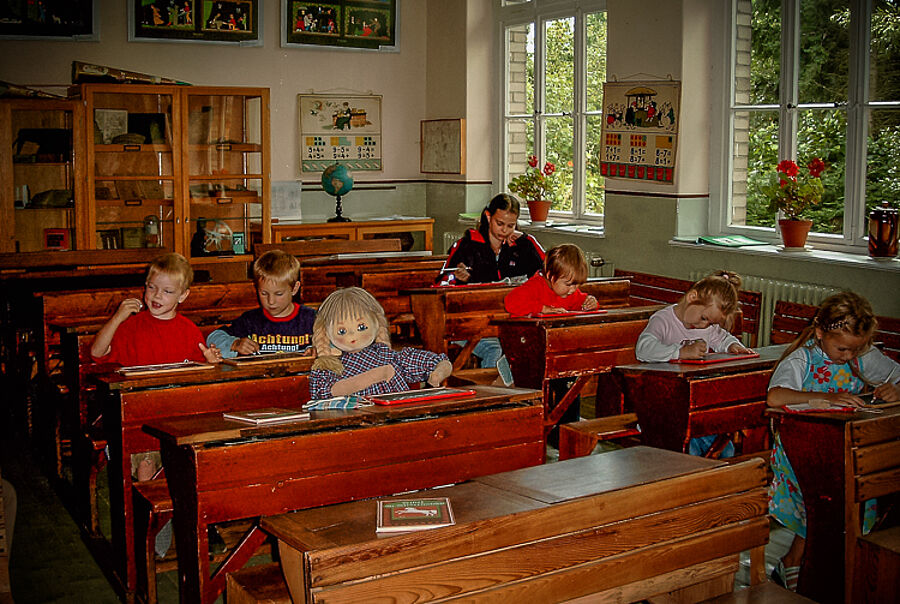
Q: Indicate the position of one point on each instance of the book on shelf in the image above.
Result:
(267, 416)
(405, 515)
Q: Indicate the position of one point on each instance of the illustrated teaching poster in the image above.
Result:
(640, 130)
(339, 129)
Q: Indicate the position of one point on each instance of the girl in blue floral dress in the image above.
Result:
(831, 360)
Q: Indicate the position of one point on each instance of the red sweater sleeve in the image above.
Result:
(525, 299)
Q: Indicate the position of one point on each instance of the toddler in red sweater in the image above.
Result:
(555, 289)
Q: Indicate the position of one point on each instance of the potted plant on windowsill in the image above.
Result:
(791, 193)
(535, 186)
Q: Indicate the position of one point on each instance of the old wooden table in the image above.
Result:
(220, 470)
(541, 349)
(629, 524)
(356, 229)
(840, 460)
(675, 402)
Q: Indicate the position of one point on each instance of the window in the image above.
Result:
(554, 58)
(811, 78)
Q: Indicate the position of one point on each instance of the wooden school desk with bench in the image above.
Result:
(675, 402)
(841, 460)
(219, 470)
(127, 402)
(620, 526)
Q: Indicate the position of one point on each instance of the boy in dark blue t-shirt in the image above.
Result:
(279, 324)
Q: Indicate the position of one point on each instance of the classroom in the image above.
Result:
(656, 130)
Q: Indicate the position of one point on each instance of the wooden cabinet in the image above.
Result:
(180, 168)
(41, 176)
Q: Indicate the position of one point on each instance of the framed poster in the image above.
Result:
(73, 19)
(368, 24)
(443, 146)
(218, 21)
(342, 129)
(640, 130)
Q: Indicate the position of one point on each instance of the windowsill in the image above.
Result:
(811, 255)
(554, 226)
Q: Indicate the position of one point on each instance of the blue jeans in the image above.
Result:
(700, 445)
(490, 354)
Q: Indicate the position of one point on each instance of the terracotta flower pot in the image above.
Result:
(538, 210)
(794, 232)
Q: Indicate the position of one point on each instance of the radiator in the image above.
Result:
(449, 239)
(773, 290)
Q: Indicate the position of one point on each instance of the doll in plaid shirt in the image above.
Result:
(353, 345)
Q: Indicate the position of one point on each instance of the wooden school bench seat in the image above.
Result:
(877, 573)
(656, 289)
(623, 526)
(841, 460)
(130, 402)
(262, 584)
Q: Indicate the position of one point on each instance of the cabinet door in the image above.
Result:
(40, 186)
(227, 163)
(134, 166)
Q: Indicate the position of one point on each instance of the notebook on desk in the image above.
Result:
(570, 313)
(716, 357)
(263, 357)
(163, 368)
(419, 396)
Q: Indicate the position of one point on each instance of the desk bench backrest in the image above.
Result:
(318, 280)
(791, 318)
(656, 289)
(623, 545)
(326, 247)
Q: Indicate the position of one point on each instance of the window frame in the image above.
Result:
(538, 13)
(858, 107)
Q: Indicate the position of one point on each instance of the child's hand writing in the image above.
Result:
(462, 272)
(888, 392)
(695, 349)
(739, 349)
(547, 310)
(590, 303)
(245, 346)
(837, 398)
(211, 353)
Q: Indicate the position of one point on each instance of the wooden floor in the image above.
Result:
(49, 563)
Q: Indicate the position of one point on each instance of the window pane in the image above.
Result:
(884, 72)
(520, 141)
(883, 159)
(594, 183)
(559, 134)
(824, 50)
(823, 133)
(559, 65)
(757, 52)
(520, 70)
(595, 65)
(754, 159)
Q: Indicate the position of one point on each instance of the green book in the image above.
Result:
(730, 240)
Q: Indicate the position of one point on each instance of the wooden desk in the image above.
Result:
(675, 402)
(840, 461)
(220, 471)
(541, 349)
(623, 526)
(466, 312)
(355, 230)
(129, 402)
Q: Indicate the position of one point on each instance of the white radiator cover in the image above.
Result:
(773, 290)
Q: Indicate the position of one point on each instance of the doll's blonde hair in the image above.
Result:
(342, 304)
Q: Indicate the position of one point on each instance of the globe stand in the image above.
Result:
(337, 210)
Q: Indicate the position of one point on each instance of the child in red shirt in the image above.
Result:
(555, 289)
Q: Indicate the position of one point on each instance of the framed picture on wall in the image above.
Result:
(339, 128)
(67, 19)
(443, 146)
(216, 21)
(365, 24)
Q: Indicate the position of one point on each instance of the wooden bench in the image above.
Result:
(258, 584)
(764, 593)
(657, 289)
(862, 463)
(877, 574)
(623, 526)
(305, 248)
(791, 318)
(578, 439)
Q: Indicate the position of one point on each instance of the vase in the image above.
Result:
(794, 232)
(538, 210)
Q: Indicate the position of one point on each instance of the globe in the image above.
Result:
(336, 180)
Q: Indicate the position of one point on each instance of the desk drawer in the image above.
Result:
(600, 336)
(717, 390)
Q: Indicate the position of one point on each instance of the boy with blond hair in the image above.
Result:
(279, 324)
